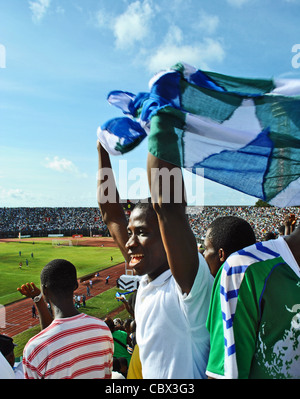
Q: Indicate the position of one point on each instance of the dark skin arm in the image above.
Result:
(30, 290)
(109, 201)
(178, 239)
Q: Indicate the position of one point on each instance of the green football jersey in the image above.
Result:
(254, 316)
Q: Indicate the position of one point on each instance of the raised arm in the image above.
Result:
(109, 202)
(167, 193)
(30, 290)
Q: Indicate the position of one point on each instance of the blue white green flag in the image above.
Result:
(244, 133)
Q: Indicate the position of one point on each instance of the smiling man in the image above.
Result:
(174, 292)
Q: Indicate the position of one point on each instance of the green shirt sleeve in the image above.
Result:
(214, 324)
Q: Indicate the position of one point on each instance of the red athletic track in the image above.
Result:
(18, 315)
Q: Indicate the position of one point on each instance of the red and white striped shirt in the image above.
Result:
(75, 347)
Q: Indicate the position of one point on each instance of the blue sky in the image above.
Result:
(60, 58)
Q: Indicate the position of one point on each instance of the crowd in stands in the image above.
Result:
(14, 220)
(59, 220)
(262, 219)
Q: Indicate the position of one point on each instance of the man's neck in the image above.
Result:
(63, 311)
(158, 272)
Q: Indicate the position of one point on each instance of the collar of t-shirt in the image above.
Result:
(159, 281)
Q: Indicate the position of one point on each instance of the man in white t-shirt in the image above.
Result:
(173, 297)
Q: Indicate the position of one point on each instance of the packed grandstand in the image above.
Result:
(41, 222)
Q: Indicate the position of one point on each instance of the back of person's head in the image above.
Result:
(116, 365)
(7, 348)
(118, 324)
(269, 236)
(60, 277)
(231, 233)
(145, 205)
(126, 324)
(110, 323)
(226, 235)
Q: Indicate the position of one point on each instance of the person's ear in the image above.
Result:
(222, 255)
(45, 292)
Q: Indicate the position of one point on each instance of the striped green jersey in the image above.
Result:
(254, 315)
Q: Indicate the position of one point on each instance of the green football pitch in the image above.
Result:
(86, 260)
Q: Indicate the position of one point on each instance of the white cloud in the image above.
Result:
(133, 25)
(173, 50)
(208, 23)
(39, 9)
(63, 165)
(14, 193)
(143, 22)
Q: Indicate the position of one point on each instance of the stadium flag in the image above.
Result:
(244, 133)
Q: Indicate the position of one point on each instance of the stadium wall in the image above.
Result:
(86, 232)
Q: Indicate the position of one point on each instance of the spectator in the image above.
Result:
(116, 373)
(255, 287)
(224, 236)
(120, 338)
(83, 300)
(126, 325)
(270, 236)
(123, 366)
(118, 324)
(74, 345)
(6, 372)
(132, 335)
(7, 350)
(33, 312)
(159, 245)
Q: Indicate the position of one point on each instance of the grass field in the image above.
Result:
(86, 260)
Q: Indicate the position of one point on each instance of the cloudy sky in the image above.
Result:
(60, 58)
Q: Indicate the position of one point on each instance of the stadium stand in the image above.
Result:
(40, 222)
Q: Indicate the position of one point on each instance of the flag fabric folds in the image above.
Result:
(243, 133)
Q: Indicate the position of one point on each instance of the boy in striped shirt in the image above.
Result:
(74, 345)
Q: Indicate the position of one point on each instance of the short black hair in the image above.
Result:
(231, 233)
(146, 206)
(59, 276)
